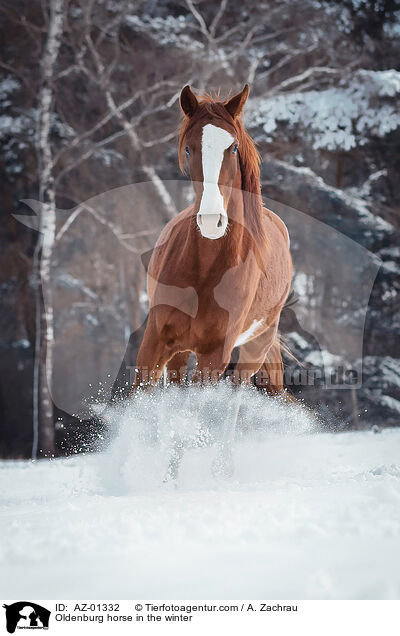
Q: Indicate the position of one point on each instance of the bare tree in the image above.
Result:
(43, 419)
(106, 109)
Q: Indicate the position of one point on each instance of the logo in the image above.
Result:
(26, 615)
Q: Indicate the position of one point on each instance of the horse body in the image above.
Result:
(231, 294)
(220, 272)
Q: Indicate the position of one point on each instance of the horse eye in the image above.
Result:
(235, 149)
(187, 150)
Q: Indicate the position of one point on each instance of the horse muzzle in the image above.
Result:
(212, 226)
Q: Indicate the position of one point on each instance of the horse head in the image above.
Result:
(210, 143)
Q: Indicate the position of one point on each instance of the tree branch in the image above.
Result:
(217, 17)
(199, 18)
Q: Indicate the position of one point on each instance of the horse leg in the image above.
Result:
(176, 367)
(251, 357)
(262, 352)
(176, 373)
(210, 369)
(223, 465)
(175, 459)
(152, 357)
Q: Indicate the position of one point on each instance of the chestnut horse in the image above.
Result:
(221, 270)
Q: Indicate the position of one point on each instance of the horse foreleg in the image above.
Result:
(152, 357)
(177, 366)
(252, 356)
(223, 465)
(176, 374)
(210, 369)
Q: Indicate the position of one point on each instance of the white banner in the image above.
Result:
(193, 617)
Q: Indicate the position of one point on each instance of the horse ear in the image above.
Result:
(188, 101)
(236, 103)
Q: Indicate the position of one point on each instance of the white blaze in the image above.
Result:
(214, 142)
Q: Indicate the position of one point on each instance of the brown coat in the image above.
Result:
(206, 295)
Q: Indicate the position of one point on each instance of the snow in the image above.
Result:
(361, 207)
(340, 117)
(390, 402)
(390, 369)
(387, 82)
(170, 31)
(307, 514)
(23, 343)
(302, 284)
(365, 190)
(7, 86)
(298, 339)
(390, 251)
(391, 267)
(12, 125)
(70, 282)
(330, 361)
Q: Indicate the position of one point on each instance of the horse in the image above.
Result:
(221, 270)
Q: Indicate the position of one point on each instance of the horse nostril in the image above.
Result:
(211, 225)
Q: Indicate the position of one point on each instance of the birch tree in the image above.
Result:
(106, 107)
(43, 418)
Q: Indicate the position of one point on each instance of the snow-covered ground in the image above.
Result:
(306, 515)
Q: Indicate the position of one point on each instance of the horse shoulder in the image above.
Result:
(172, 223)
(277, 221)
(160, 254)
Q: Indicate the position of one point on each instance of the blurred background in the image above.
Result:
(89, 96)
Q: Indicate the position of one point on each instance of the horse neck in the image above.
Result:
(235, 208)
(252, 203)
(245, 206)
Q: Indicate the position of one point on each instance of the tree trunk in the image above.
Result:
(43, 418)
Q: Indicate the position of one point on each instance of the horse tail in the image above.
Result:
(273, 367)
(274, 370)
(273, 363)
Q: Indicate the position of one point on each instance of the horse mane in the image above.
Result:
(249, 158)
